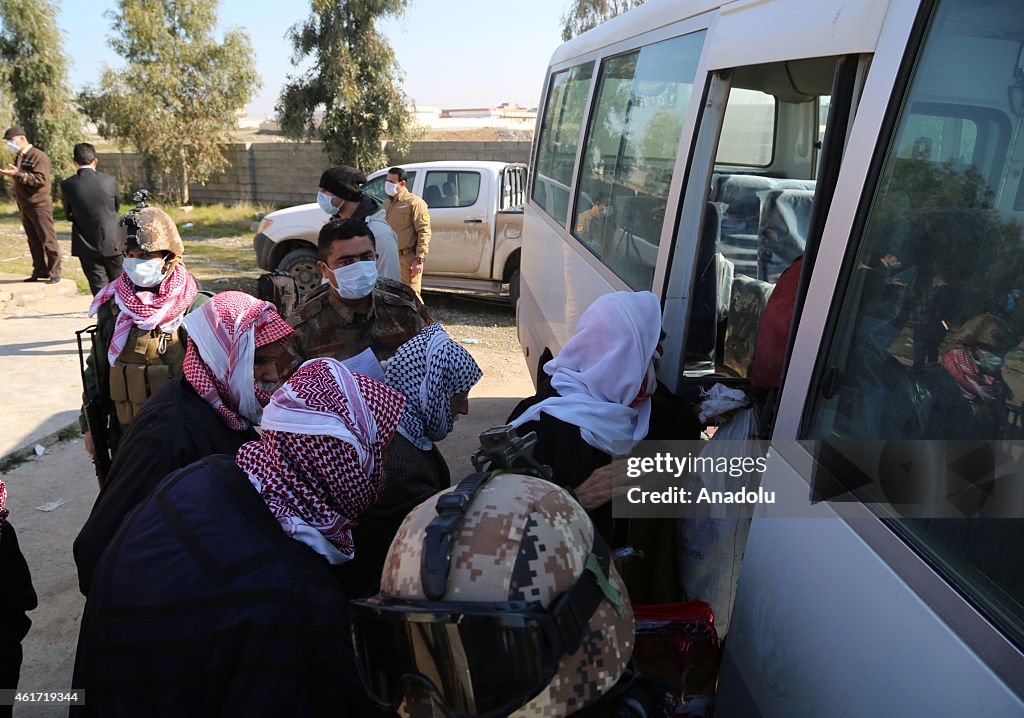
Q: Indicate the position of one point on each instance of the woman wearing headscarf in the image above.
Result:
(596, 407)
(435, 374)
(218, 595)
(229, 368)
(597, 403)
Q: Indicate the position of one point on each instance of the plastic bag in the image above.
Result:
(711, 547)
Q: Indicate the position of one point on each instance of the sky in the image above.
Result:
(454, 53)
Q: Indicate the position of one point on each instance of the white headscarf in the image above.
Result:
(601, 371)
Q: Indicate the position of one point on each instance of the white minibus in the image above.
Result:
(697, 149)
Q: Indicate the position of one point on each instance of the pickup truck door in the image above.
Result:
(508, 223)
(461, 223)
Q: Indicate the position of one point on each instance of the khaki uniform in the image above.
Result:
(31, 190)
(324, 326)
(148, 360)
(590, 226)
(587, 218)
(408, 216)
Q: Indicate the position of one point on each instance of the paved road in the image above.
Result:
(42, 386)
(65, 474)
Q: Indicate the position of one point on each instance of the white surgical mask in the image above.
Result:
(390, 188)
(326, 203)
(144, 272)
(356, 280)
(11, 146)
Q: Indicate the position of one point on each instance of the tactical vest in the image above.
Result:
(148, 360)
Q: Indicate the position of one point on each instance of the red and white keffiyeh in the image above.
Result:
(223, 336)
(164, 308)
(976, 385)
(3, 502)
(318, 462)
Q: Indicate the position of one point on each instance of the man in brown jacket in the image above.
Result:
(32, 173)
(407, 214)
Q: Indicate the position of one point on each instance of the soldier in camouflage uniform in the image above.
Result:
(355, 309)
(523, 546)
(139, 341)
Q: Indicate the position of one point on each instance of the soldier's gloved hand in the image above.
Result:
(87, 438)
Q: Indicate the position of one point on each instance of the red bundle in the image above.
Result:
(677, 646)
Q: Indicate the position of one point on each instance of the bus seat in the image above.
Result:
(742, 206)
(794, 184)
(782, 232)
(739, 192)
(749, 299)
(713, 189)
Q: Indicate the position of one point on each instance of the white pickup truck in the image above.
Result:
(476, 222)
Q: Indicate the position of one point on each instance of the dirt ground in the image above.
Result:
(51, 496)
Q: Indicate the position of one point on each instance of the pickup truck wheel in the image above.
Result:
(301, 264)
(513, 288)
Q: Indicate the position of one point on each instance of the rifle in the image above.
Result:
(98, 407)
(502, 448)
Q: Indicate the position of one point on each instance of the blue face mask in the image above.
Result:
(144, 272)
(12, 146)
(326, 204)
(989, 363)
(356, 280)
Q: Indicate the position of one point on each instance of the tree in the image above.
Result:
(178, 95)
(34, 78)
(582, 15)
(350, 97)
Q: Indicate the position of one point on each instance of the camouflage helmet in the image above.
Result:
(151, 230)
(522, 539)
(987, 330)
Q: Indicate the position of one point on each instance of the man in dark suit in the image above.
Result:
(31, 173)
(91, 202)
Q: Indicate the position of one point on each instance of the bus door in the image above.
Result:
(905, 596)
(762, 172)
(770, 134)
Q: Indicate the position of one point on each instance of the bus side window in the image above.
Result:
(933, 317)
(630, 152)
(926, 343)
(559, 139)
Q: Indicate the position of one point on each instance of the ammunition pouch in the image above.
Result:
(148, 360)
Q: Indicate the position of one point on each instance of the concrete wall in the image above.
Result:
(288, 172)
